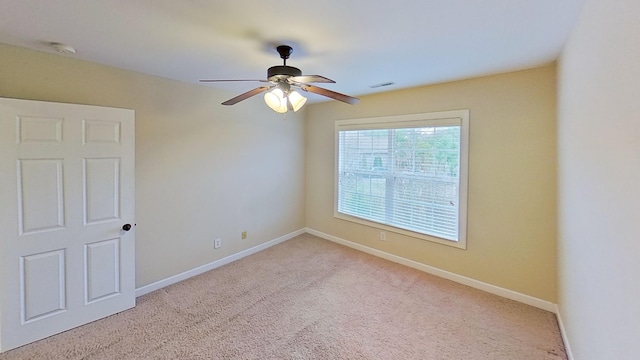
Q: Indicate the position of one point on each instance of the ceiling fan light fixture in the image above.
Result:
(282, 78)
(275, 100)
(296, 100)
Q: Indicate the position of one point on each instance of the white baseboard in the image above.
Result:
(496, 290)
(563, 332)
(215, 264)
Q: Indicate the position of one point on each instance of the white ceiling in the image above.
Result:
(357, 43)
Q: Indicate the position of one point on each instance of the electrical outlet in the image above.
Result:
(383, 235)
(217, 243)
(244, 235)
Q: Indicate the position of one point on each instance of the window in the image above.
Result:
(406, 174)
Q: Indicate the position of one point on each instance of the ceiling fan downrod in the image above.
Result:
(284, 51)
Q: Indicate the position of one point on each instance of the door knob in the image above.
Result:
(126, 227)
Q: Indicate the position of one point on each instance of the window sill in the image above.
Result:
(383, 227)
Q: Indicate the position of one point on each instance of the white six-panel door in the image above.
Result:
(66, 191)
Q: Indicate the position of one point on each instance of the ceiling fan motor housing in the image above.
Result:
(279, 72)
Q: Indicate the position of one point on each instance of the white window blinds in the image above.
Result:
(405, 173)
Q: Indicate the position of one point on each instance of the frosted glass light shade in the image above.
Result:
(296, 100)
(275, 100)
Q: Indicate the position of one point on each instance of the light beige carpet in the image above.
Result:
(309, 298)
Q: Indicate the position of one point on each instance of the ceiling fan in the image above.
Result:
(283, 80)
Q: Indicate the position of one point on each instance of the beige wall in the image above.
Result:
(599, 179)
(512, 177)
(203, 171)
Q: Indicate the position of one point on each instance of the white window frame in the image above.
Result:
(442, 118)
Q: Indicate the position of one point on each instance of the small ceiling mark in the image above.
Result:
(63, 48)
(388, 83)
